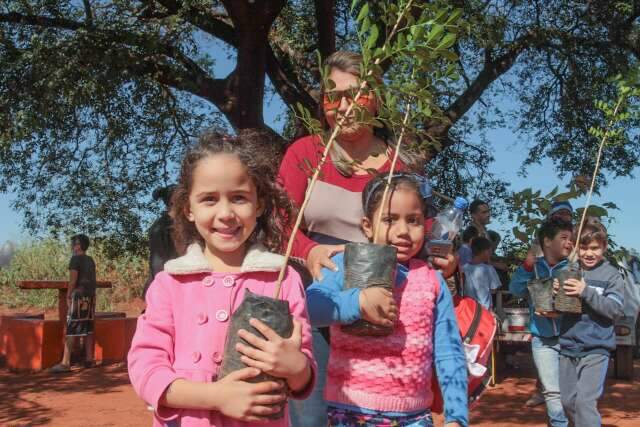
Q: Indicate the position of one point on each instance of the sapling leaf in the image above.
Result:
(364, 12)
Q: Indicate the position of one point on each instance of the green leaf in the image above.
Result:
(373, 37)
(366, 24)
(552, 193)
(447, 41)
(454, 16)
(523, 237)
(563, 197)
(417, 32)
(364, 12)
(435, 32)
(402, 41)
(599, 211)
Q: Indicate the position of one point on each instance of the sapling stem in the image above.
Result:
(574, 253)
(396, 154)
(325, 153)
(312, 183)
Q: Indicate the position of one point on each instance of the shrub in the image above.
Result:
(49, 259)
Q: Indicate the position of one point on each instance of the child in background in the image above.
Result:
(480, 278)
(387, 380)
(464, 253)
(587, 339)
(228, 214)
(555, 238)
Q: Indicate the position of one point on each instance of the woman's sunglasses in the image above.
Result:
(333, 98)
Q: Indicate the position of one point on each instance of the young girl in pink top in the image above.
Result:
(386, 381)
(227, 215)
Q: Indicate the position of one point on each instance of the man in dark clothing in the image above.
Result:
(480, 216)
(81, 297)
(161, 247)
(587, 339)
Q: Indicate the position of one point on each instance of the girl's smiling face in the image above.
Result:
(402, 224)
(224, 206)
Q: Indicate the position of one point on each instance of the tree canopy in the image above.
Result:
(99, 98)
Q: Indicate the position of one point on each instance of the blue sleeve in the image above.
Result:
(494, 279)
(465, 255)
(450, 362)
(328, 302)
(519, 280)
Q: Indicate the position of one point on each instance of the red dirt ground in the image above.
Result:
(104, 397)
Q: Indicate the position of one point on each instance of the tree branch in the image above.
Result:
(492, 70)
(326, 25)
(40, 21)
(191, 78)
(88, 13)
(286, 83)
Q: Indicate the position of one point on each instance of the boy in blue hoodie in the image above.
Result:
(555, 238)
(587, 339)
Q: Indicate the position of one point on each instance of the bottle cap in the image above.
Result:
(460, 203)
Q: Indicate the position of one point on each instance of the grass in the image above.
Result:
(49, 259)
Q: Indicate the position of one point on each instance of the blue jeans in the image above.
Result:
(312, 412)
(546, 356)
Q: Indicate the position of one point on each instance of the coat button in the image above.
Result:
(202, 318)
(207, 281)
(217, 357)
(195, 356)
(228, 281)
(222, 315)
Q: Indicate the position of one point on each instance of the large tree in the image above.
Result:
(98, 98)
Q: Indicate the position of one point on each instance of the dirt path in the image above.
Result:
(104, 397)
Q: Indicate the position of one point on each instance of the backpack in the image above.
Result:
(477, 327)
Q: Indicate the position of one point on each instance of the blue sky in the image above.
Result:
(509, 150)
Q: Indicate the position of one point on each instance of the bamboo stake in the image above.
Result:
(376, 224)
(325, 154)
(574, 252)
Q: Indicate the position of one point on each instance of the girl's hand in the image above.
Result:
(378, 306)
(574, 287)
(320, 256)
(246, 401)
(447, 266)
(277, 356)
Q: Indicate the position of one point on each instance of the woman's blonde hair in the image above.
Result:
(351, 62)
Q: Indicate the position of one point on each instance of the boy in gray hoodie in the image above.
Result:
(587, 339)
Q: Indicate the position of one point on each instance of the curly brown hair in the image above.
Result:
(261, 159)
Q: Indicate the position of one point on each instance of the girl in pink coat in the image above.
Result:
(228, 213)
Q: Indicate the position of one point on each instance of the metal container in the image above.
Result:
(541, 293)
(563, 302)
(516, 319)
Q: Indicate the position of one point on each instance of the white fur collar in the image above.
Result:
(258, 258)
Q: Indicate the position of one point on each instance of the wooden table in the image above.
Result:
(61, 286)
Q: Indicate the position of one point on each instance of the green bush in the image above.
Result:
(49, 259)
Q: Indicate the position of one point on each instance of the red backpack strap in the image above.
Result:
(473, 328)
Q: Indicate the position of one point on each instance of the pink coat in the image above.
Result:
(183, 331)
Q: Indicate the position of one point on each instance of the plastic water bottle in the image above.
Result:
(449, 222)
(445, 227)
